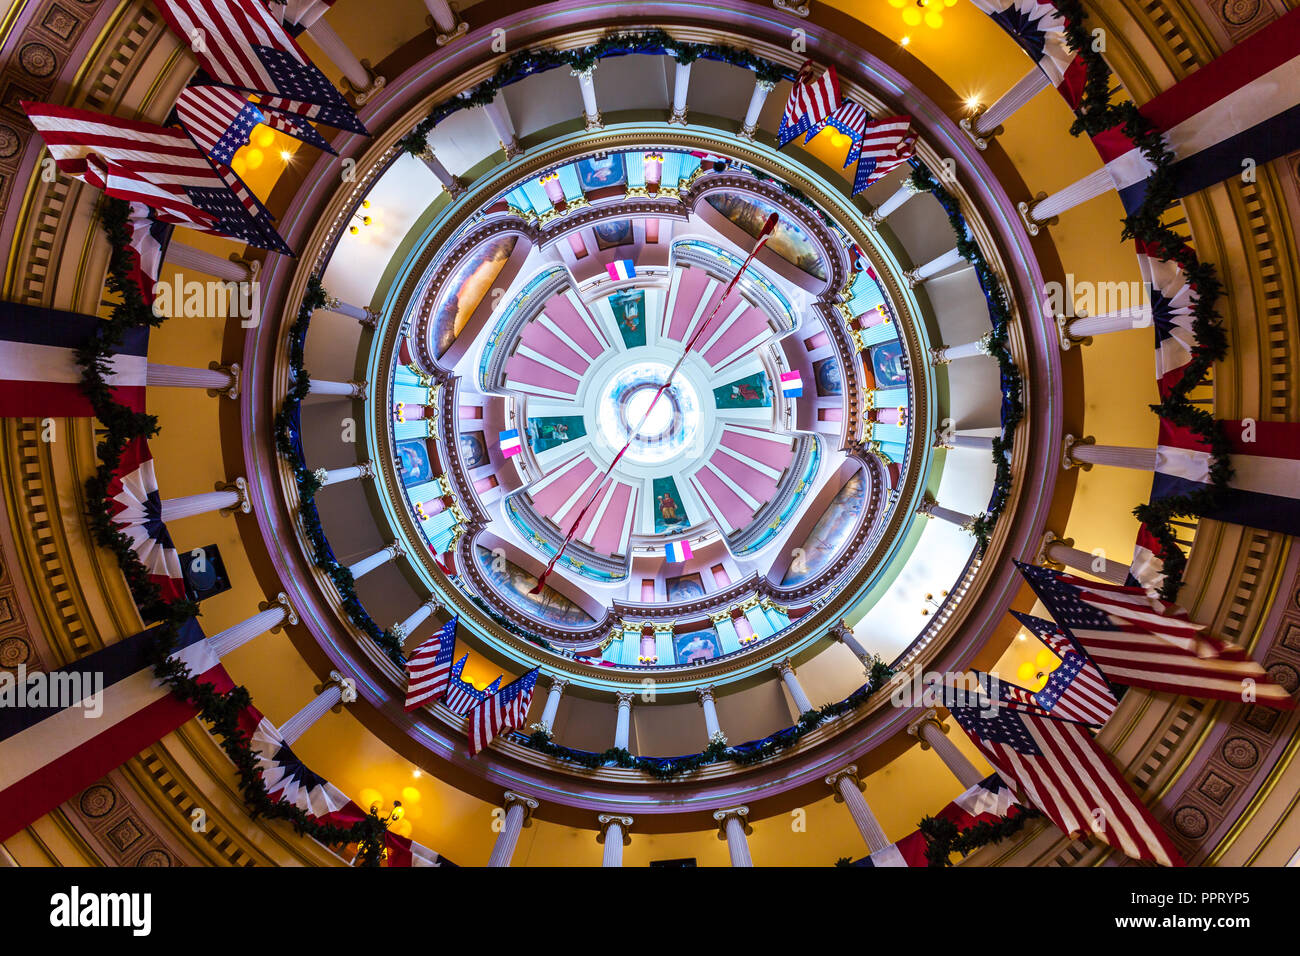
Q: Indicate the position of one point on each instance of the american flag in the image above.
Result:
(156, 166)
(239, 44)
(218, 120)
(507, 709)
(461, 695)
(1075, 690)
(810, 102)
(849, 118)
(1143, 641)
(1063, 772)
(147, 244)
(340, 117)
(428, 669)
(887, 143)
(298, 128)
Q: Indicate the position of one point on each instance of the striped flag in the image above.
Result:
(218, 120)
(1264, 491)
(136, 511)
(54, 747)
(403, 851)
(1076, 690)
(1148, 567)
(1143, 641)
(791, 384)
(1063, 772)
(1040, 30)
(157, 167)
(428, 669)
(338, 117)
(39, 374)
(239, 44)
(289, 780)
(810, 102)
(146, 247)
(1173, 307)
(510, 443)
(621, 269)
(678, 551)
(887, 143)
(849, 118)
(461, 695)
(505, 710)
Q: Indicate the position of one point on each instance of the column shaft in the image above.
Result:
(623, 722)
(320, 386)
(348, 473)
(552, 703)
(314, 710)
(368, 564)
(1139, 318)
(860, 810)
(756, 101)
(737, 844)
(182, 376)
(416, 618)
(1026, 88)
(952, 758)
(1117, 456)
(504, 847)
(894, 202)
(175, 508)
(187, 257)
(235, 637)
(443, 18)
(950, 258)
(1076, 560)
(1089, 187)
(681, 83)
(338, 51)
(613, 855)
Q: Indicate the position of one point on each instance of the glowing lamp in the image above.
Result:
(253, 158)
(410, 795)
(1027, 673)
(1045, 660)
(263, 136)
(912, 16)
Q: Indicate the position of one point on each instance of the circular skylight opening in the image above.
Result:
(659, 430)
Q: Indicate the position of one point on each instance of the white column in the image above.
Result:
(756, 101)
(1062, 551)
(1081, 329)
(931, 733)
(891, 205)
(623, 723)
(318, 386)
(333, 476)
(732, 828)
(681, 82)
(518, 809)
(216, 377)
(613, 834)
(1082, 451)
(336, 692)
(801, 701)
(848, 790)
(711, 725)
(587, 84)
(499, 116)
(268, 619)
(845, 635)
(234, 269)
(959, 440)
(1089, 187)
(364, 314)
(381, 557)
(403, 628)
(951, 353)
(931, 509)
(358, 74)
(235, 496)
(936, 265)
(451, 183)
(553, 702)
(987, 121)
(443, 20)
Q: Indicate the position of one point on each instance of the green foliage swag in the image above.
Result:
(717, 751)
(221, 710)
(1097, 113)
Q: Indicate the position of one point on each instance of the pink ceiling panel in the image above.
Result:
(552, 498)
(521, 370)
(690, 287)
(722, 499)
(561, 311)
(756, 484)
(749, 325)
(541, 339)
(609, 534)
(760, 449)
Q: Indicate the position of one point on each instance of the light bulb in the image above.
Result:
(254, 158)
(933, 19)
(365, 204)
(286, 155)
(263, 136)
(353, 230)
(905, 41)
(911, 16)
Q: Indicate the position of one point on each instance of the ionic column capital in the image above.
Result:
(916, 727)
(1042, 558)
(347, 689)
(851, 772)
(240, 487)
(606, 820)
(281, 600)
(231, 390)
(527, 803)
(1068, 444)
(624, 697)
(739, 813)
(784, 667)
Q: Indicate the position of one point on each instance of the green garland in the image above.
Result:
(717, 751)
(1012, 383)
(943, 838)
(221, 710)
(286, 420)
(528, 62)
(1097, 114)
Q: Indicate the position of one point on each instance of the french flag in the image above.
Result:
(678, 551)
(1265, 488)
(510, 443)
(791, 384)
(621, 269)
(50, 753)
(1148, 568)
